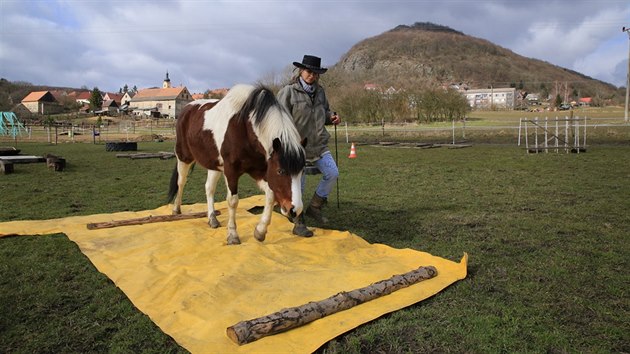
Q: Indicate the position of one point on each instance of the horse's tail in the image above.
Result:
(173, 187)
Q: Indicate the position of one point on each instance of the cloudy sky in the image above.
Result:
(207, 44)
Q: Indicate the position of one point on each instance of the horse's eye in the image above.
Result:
(282, 172)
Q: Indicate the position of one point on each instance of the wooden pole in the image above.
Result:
(536, 132)
(546, 138)
(520, 124)
(289, 318)
(556, 137)
(526, 139)
(147, 220)
(584, 143)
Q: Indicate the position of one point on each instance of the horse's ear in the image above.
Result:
(303, 142)
(276, 144)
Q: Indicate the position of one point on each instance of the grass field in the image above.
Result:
(605, 125)
(547, 234)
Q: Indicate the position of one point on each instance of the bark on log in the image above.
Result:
(159, 155)
(146, 155)
(289, 318)
(147, 220)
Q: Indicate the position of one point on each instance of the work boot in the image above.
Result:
(314, 210)
(300, 227)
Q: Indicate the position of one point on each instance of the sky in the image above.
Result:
(210, 44)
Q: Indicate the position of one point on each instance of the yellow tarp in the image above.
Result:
(193, 286)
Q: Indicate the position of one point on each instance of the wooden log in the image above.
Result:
(147, 155)
(289, 318)
(147, 220)
(55, 162)
(8, 151)
(23, 159)
(60, 164)
(6, 167)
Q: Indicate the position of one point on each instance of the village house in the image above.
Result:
(21, 111)
(126, 98)
(41, 102)
(110, 107)
(160, 102)
(585, 101)
(113, 96)
(82, 97)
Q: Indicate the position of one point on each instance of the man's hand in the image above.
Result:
(335, 119)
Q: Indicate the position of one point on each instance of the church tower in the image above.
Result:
(167, 82)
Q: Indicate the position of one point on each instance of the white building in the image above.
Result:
(499, 98)
(160, 102)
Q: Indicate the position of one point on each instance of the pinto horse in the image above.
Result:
(247, 131)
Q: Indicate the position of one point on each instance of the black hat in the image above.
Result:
(311, 63)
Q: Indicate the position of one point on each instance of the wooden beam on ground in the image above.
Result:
(148, 155)
(459, 146)
(289, 318)
(23, 159)
(147, 220)
(162, 156)
(8, 151)
(454, 146)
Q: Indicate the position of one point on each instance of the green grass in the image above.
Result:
(547, 234)
(53, 300)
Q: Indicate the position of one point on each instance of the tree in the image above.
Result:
(441, 105)
(96, 99)
(558, 101)
(575, 94)
(544, 92)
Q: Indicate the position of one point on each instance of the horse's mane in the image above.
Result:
(270, 121)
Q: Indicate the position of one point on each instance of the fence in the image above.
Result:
(122, 131)
(505, 132)
(552, 138)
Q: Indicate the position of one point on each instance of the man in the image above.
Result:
(306, 100)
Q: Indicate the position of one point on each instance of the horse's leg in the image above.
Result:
(232, 202)
(211, 186)
(265, 219)
(182, 175)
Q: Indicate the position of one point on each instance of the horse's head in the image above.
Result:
(284, 176)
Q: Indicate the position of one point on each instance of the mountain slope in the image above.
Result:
(429, 55)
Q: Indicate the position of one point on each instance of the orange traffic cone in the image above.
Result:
(353, 152)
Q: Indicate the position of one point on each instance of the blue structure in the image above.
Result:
(10, 124)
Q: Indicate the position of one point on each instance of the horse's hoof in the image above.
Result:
(260, 236)
(233, 241)
(213, 222)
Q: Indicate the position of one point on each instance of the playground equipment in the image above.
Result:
(10, 124)
(552, 138)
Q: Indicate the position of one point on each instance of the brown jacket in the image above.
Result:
(310, 117)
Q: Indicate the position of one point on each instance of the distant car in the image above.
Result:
(564, 107)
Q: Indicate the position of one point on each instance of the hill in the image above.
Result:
(427, 55)
(12, 93)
